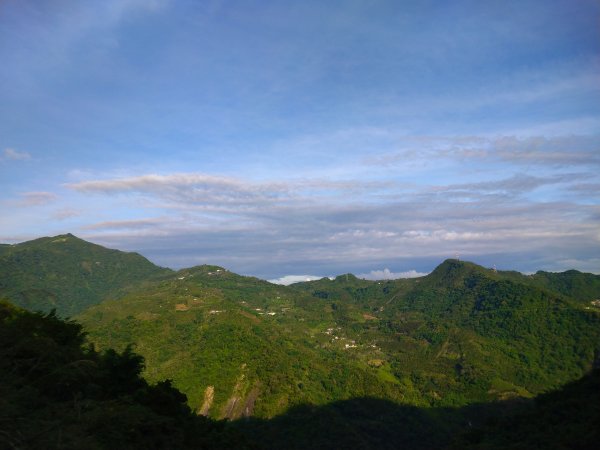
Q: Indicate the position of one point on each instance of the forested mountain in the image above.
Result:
(572, 283)
(68, 274)
(500, 335)
(235, 345)
(241, 346)
(437, 352)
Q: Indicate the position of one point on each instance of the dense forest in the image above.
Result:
(241, 346)
(67, 274)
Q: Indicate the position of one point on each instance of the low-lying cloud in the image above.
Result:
(291, 279)
(386, 274)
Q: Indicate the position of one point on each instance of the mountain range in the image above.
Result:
(240, 347)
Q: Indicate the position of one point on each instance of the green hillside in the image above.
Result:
(58, 393)
(236, 345)
(467, 333)
(572, 283)
(68, 274)
(241, 346)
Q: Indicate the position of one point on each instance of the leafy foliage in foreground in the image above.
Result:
(68, 274)
(55, 393)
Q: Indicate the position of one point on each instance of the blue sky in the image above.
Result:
(282, 138)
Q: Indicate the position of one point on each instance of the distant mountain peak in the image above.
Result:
(453, 264)
(345, 277)
(454, 271)
(69, 273)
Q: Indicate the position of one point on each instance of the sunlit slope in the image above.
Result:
(237, 345)
(466, 333)
(68, 274)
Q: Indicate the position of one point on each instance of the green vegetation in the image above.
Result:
(563, 419)
(465, 333)
(460, 345)
(56, 393)
(567, 418)
(252, 347)
(572, 283)
(68, 274)
(240, 346)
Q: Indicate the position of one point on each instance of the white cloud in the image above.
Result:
(247, 226)
(10, 154)
(127, 224)
(556, 151)
(289, 279)
(66, 213)
(229, 195)
(386, 274)
(332, 225)
(36, 198)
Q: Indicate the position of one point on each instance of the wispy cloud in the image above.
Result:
(504, 188)
(555, 151)
(10, 154)
(36, 198)
(219, 193)
(66, 213)
(126, 224)
(558, 151)
(188, 186)
(255, 227)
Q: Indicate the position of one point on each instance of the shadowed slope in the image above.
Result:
(567, 418)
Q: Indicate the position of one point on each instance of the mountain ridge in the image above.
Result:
(68, 274)
(443, 339)
(239, 345)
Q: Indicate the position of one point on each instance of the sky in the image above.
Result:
(290, 140)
